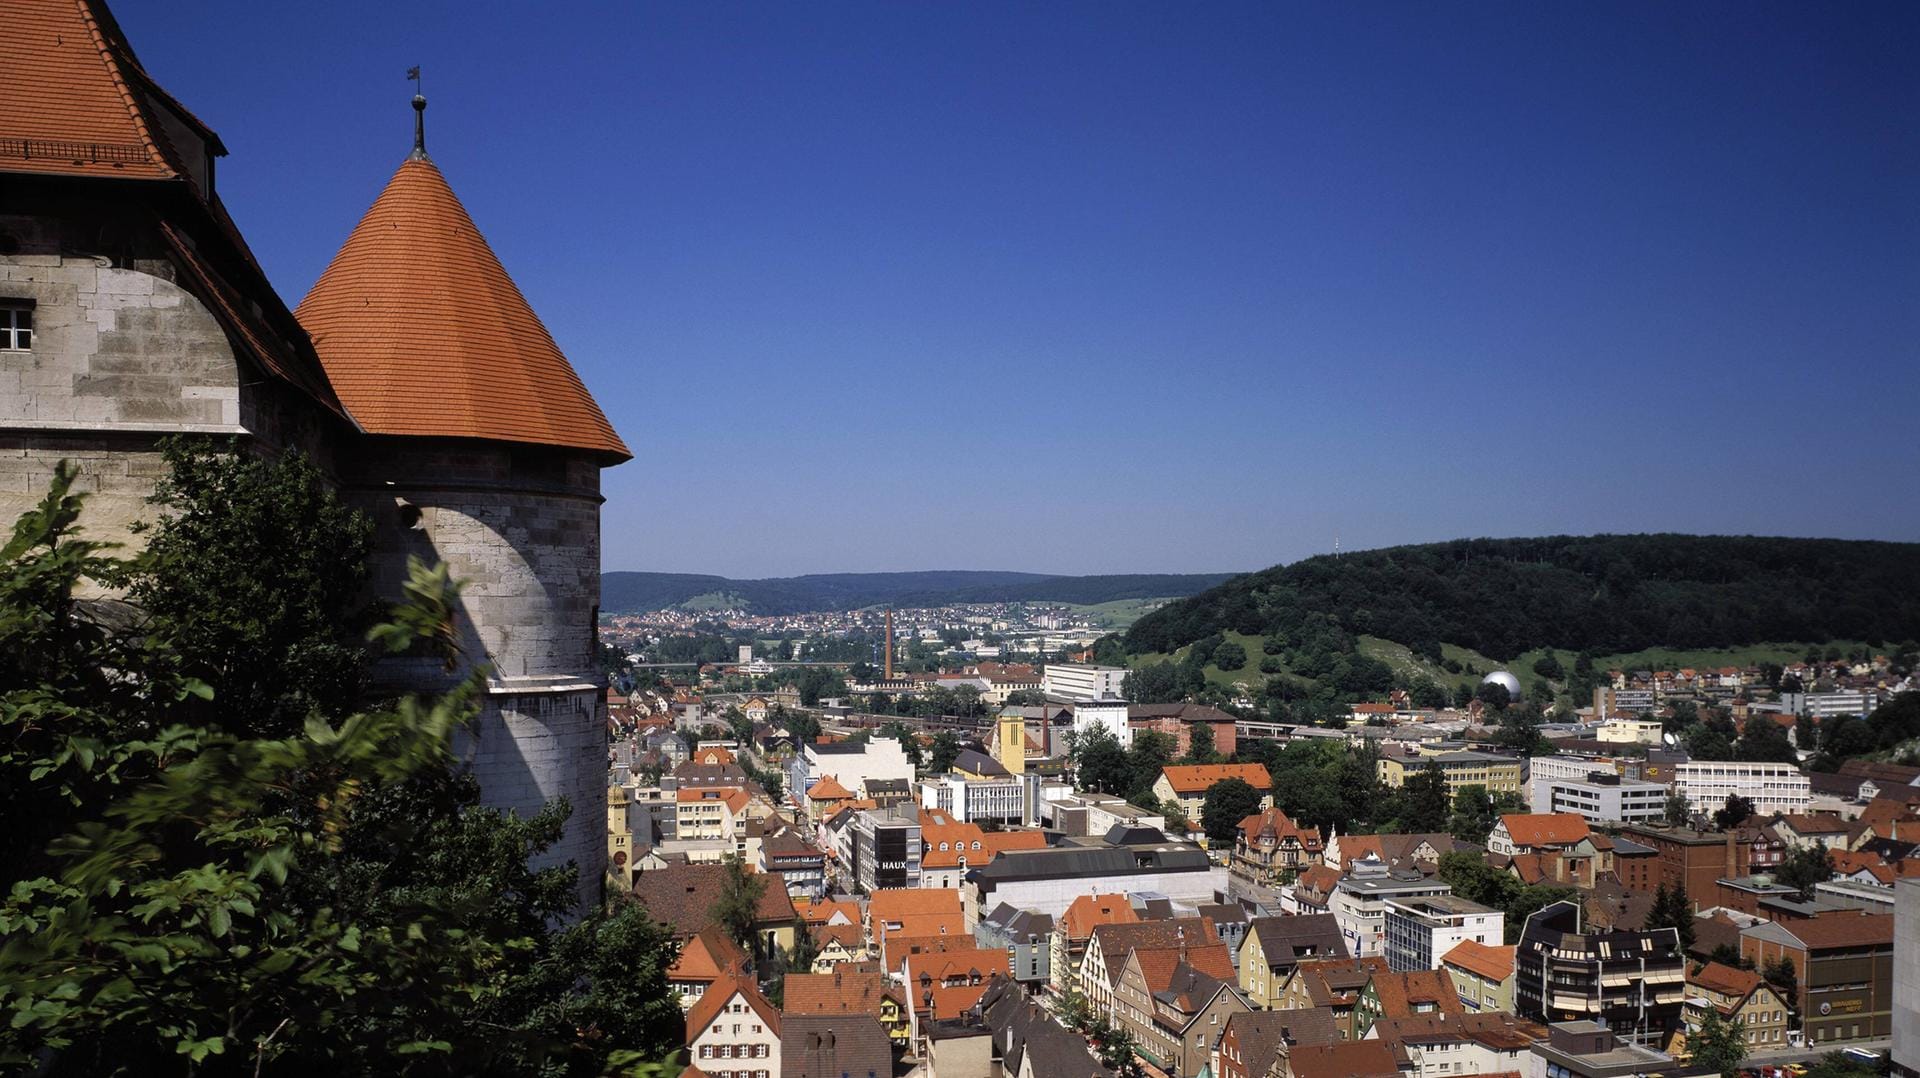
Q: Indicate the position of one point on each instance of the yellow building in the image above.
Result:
(1743, 998)
(1483, 976)
(1498, 774)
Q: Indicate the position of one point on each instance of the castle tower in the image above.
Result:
(482, 449)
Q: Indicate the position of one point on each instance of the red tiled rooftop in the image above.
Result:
(422, 332)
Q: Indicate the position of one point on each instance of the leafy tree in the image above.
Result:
(275, 647)
(942, 751)
(1228, 802)
(1736, 811)
(1717, 1044)
(906, 735)
(220, 902)
(1424, 804)
(1494, 695)
(1475, 812)
(1150, 753)
(1200, 748)
(1764, 741)
(1841, 1065)
(1678, 810)
(1785, 979)
(1175, 815)
(738, 908)
(1805, 866)
(1101, 763)
(1548, 666)
(1230, 656)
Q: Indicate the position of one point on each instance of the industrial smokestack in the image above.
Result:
(888, 675)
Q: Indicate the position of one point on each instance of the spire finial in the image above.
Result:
(419, 117)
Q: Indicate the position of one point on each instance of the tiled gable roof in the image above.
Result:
(683, 897)
(422, 332)
(1546, 829)
(1192, 779)
(891, 903)
(1725, 980)
(1350, 1059)
(841, 992)
(828, 789)
(1400, 993)
(1280, 826)
(834, 1047)
(1493, 963)
(710, 954)
(71, 100)
(714, 1003)
(1088, 912)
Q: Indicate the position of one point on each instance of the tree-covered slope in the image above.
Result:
(1603, 593)
(626, 592)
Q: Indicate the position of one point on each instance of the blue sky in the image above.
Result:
(1126, 287)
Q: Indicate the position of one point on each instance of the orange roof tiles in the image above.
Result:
(711, 1004)
(1546, 829)
(1281, 825)
(1195, 778)
(825, 910)
(422, 332)
(828, 789)
(843, 991)
(71, 96)
(889, 903)
(1493, 963)
(1088, 912)
(710, 954)
(944, 845)
(1725, 980)
(1400, 993)
(1349, 1059)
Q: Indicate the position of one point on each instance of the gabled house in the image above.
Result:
(1174, 1001)
(1332, 983)
(706, 958)
(1739, 996)
(1274, 946)
(845, 991)
(1073, 929)
(1255, 1044)
(733, 1029)
(1270, 848)
(1188, 784)
(1399, 995)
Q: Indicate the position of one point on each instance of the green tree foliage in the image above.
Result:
(274, 647)
(1424, 804)
(1717, 1044)
(1228, 802)
(1785, 979)
(1736, 811)
(1841, 1065)
(1200, 748)
(1547, 666)
(738, 908)
(1805, 866)
(1678, 810)
(1476, 881)
(1475, 812)
(1101, 763)
(1230, 656)
(1764, 741)
(942, 751)
(1322, 783)
(219, 898)
(1149, 754)
(1602, 594)
(1673, 909)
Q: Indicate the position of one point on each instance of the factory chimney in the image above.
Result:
(888, 675)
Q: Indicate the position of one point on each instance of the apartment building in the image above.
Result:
(1497, 774)
(1359, 903)
(1078, 683)
(1601, 798)
(1421, 931)
(1772, 787)
(1567, 971)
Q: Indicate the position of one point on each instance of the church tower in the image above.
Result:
(482, 449)
(1011, 743)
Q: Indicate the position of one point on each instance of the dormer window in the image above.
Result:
(16, 325)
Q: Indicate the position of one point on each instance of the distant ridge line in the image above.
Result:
(623, 592)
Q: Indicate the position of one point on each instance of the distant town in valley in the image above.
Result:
(329, 744)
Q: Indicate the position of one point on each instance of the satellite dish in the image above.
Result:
(1670, 739)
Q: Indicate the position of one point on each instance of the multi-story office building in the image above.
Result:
(1421, 931)
(855, 766)
(1634, 983)
(1497, 774)
(1843, 961)
(1002, 800)
(1698, 860)
(1602, 799)
(1826, 705)
(1077, 683)
(1772, 787)
(1359, 903)
(887, 848)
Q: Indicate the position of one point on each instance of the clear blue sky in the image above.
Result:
(1122, 287)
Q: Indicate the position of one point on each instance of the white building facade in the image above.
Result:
(1772, 787)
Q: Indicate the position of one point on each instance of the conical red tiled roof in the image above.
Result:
(423, 333)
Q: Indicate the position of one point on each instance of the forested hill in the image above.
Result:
(1602, 594)
(631, 592)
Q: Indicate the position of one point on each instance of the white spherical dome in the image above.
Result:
(1504, 680)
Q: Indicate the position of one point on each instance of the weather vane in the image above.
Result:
(419, 114)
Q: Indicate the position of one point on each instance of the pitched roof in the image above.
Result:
(710, 954)
(1280, 826)
(683, 897)
(960, 838)
(1196, 778)
(422, 332)
(1337, 982)
(827, 909)
(1261, 1034)
(843, 991)
(1400, 993)
(837, 1046)
(711, 1004)
(1546, 829)
(1839, 928)
(892, 903)
(1088, 912)
(1119, 940)
(1286, 940)
(828, 789)
(1493, 963)
(1725, 980)
(75, 101)
(1349, 1059)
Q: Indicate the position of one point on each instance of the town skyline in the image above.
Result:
(1579, 263)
